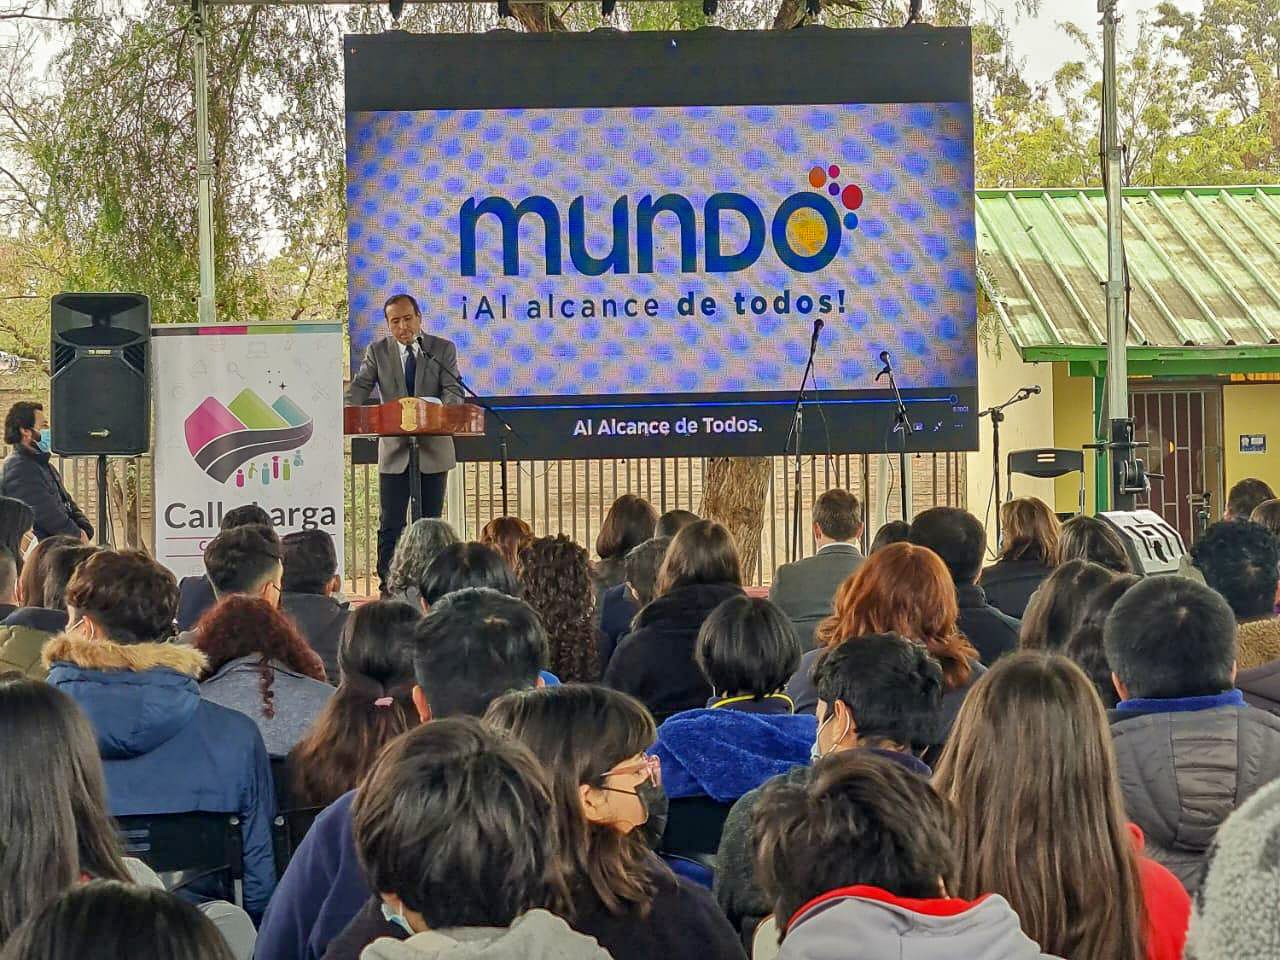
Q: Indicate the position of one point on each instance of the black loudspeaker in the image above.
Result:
(100, 398)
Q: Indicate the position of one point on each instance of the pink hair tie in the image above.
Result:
(384, 702)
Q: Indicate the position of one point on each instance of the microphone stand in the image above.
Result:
(797, 431)
(901, 425)
(506, 428)
(996, 414)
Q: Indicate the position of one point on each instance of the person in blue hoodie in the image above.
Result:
(747, 733)
(473, 645)
(164, 749)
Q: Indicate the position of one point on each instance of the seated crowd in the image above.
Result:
(522, 751)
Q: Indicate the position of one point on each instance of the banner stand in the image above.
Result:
(245, 414)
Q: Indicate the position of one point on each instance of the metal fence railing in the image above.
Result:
(572, 497)
(130, 501)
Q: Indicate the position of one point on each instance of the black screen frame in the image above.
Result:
(504, 69)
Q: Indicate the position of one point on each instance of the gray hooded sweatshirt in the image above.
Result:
(886, 928)
(536, 935)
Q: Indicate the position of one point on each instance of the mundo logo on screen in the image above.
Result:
(248, 439)
(805, 229)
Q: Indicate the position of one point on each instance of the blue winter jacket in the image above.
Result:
(321, 891)
(164, 749)
(724, 753)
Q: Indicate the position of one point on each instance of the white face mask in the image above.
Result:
(85, 628)
(391, 916)
(816, 752)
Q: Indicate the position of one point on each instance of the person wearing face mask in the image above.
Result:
(475, 645)
(164, 749)
(594, 742)
(880, 693)
(30, 477)
(450, 829)
(606, 793)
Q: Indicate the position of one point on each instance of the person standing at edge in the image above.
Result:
(400, 365)
(30, 477)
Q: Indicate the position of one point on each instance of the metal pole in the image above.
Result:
(104, 533)
(1120, 432)
(204, 165)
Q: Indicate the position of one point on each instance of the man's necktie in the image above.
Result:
(410, 372)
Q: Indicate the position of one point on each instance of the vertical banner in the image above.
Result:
(245, 414)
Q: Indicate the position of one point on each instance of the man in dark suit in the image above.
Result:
(408, 363)
(804, 589)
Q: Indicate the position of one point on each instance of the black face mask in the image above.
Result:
(655, 802)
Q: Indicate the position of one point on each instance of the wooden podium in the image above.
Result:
(414, 418)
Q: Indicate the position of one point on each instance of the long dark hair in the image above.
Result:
(702, 552)
(1057, 607)
(16, 521)
(1031, 772)
(375, 659)
(105, 920)
(60, 566)
(53, 800)
(240, 626)
(580, 732)
(31, 580)
(556, 574)
(630, 521)
(1085, 642)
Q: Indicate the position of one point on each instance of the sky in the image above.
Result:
(1041, 44)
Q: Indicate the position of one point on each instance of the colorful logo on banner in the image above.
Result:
(804, 230)
(248, 439)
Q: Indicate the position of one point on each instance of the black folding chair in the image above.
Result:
(1047, 463)
(201, 853)
(287, 831)
(291, 824)
(694, 826)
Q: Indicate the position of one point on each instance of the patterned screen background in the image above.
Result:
(899, 176)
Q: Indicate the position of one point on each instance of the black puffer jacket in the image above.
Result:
(28, 476)
(654, 663)
(992, 633)
(320, 620)
(1184, 771)
(1009, 584)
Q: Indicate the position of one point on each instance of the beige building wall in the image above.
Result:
(1001, 371)
(1072, 428)
(1251, 408)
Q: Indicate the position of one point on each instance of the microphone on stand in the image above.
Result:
(818, 324)
(888, 365)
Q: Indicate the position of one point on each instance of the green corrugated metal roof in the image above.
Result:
(1204, 264)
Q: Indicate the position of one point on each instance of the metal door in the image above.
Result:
(1184, 430)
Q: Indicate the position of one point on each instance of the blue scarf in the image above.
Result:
(1232, 698)
(724, 753)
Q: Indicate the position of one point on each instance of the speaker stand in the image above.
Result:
(102, 500)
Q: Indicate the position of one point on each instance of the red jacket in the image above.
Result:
(1167, 904)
